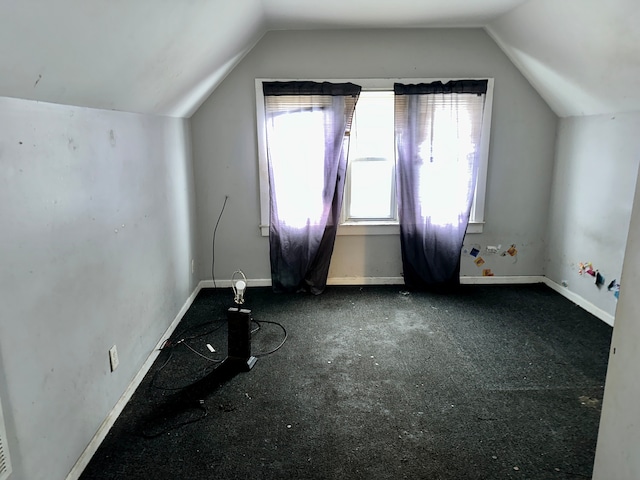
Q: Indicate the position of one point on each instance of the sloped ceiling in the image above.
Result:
(583, 56)
(149, 56)
(165, 57)
(297, 14)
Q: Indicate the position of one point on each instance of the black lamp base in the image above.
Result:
(240, 364)
(239, 339)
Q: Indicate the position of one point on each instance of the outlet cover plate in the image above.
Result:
(114, 361)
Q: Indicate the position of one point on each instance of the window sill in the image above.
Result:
(369, 228)
(376, 228)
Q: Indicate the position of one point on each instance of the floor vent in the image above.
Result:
(5, 463)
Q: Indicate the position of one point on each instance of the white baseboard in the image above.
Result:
(463, 280)
(365, 281)
(581, 302)
(115, 412)
(266, 282)
(502, 280)
(251, 282)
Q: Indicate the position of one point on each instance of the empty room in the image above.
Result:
(282, 239)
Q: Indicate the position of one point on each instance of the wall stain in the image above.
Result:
(37, 81)
(112, 138)
(72, 144)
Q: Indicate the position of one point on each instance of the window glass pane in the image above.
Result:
(446, 176)
(374, 127)
(296, 145)
(371, 189)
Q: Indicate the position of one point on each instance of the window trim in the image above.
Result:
(375, 227)
(392, 219)
(345, 219)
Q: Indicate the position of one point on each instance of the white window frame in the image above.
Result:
(345, 219)
(374, 227)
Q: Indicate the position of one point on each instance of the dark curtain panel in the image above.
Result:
(308, 124)
(438, 129)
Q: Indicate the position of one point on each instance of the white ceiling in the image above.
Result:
(583, 56)
(166, 56)
(299, 14)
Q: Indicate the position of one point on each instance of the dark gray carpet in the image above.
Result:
(491, 382)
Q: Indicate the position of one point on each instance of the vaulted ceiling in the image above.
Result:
(166, 56)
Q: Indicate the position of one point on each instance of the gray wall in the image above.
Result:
(97, 238)
(594, 182)
(619, 436)
(226, 160)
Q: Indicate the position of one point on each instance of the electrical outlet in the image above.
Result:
(113, 358)
(193, 267)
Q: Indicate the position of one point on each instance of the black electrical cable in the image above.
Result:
(171, 344)
(193, 337)
(201, 404)
(157, 372)
(212, 360)
(183, 340)
(213, 242)
(154, 379)
(286, 335)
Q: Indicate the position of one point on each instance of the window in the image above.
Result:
(370, 191)
(369, 205)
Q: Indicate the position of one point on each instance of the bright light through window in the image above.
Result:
(445, 174)
(370, 193)
(370, 205)
(371, 189)
(298, 166)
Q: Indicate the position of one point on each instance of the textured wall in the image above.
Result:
(594, 181)
(97, 219)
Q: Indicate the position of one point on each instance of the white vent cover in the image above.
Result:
(5, 463)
